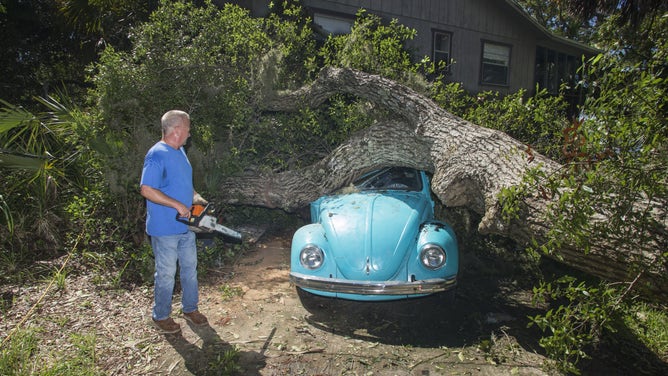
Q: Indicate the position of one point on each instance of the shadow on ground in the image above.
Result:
(215, 357)
(431, 321)
(488, 306)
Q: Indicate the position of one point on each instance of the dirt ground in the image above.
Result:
(277, 333)
(252, 307)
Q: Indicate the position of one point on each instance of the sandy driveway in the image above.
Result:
(253, 307)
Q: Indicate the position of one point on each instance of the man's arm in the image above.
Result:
(155, 195)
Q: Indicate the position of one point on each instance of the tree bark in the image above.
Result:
(470, 166)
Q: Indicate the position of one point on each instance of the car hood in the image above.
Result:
(370, 233)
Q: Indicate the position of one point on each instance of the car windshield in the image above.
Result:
(391, 178)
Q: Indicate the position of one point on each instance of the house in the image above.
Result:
(491, 44)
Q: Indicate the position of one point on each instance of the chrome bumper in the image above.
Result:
(427, 286)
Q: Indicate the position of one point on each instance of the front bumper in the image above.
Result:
(427, 286)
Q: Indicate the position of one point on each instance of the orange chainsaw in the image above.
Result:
(202, 220)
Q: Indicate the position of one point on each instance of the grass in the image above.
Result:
(650, 325)
(16, 356)
(20, 356)
(228, 292)
(226, 363)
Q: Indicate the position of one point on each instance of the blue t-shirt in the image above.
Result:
(167, 170)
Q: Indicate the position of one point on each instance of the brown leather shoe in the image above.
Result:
(196, 318)
(167, 326)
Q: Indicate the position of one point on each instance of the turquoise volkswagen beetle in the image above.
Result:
(376, 240)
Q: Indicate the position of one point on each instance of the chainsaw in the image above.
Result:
(202, 220)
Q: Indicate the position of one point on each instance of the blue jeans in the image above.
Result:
(167, 251)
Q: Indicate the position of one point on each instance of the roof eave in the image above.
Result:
(550, 35)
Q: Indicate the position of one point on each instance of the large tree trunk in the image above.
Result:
(470, 166)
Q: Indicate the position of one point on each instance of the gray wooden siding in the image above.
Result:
(469, 22)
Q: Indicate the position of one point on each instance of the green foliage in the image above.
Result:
(372, 47)
(617, 157)
(294, 47)
(650, 325)
(53, 161)
(556, 17)
(47, 44)
(213, 252)
(510, 200)
(452, 97)
(537, 121)
(61, 195)
(19, 356)
(228, 292)
(109, 237)
(581, 315)
(40, 52)
(81, 363)
(16, 353)
(633, 30)
(225, 363)
(213, 63)
(60, 278)
(7, 216)
(302, 138)
(139, 264)
(108, 19)
(217, 65)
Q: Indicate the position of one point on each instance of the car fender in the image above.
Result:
(442, 234)
(312, 234)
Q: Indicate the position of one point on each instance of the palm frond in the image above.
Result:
(13, 116)
(7, 214)
(14, 160)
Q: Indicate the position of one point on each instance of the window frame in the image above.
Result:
(552, 68)
(483, 72)
(448, 53)
(338, 19)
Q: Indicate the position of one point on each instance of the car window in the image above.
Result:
(391, 178)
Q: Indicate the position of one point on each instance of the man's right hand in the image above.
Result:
(158, 197)
(184, 211)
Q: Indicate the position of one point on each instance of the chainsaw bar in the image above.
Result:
(210, 222)
(202, 221)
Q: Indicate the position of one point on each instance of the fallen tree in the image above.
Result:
(471, 165)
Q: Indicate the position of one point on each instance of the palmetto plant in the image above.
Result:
(40, 160)
(13, 128)
(7, 215)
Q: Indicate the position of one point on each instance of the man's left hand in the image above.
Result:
(199, 200)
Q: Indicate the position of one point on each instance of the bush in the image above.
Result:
(579, 315)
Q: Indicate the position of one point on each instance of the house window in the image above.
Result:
(332, 24)
(495, 64)
(441, 47)
(554, 68)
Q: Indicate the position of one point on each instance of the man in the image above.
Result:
(167, 185)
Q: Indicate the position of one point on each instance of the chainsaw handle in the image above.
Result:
(197, 211)
(186, 220)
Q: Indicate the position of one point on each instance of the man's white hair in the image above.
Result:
(172, 119)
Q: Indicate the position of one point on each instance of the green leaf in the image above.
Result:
(21, 161)
(12, 116)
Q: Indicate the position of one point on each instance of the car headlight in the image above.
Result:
(311, 257)
(432, 256)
